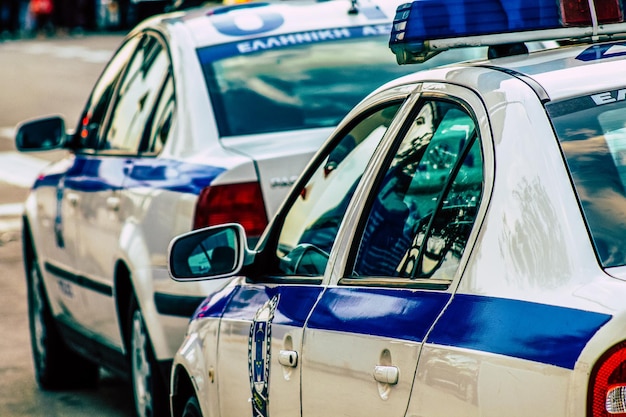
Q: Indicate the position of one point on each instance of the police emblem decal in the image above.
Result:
(259, 353)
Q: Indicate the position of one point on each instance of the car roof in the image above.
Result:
(563, 72)
(214, 25)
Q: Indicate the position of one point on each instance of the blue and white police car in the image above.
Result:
(201, 117)
(455, 248)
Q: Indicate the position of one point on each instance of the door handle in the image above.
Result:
(386, 374)
(73, 198)
(288, 358)
(113, 203)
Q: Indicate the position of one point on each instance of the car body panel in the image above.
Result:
(520, 326)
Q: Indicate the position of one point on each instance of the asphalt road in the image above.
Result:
(19, 394)
(40, 77)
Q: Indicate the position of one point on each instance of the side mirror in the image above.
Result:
(41, 134)
(209, 253)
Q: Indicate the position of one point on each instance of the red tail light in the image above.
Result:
(607, 376)
(232, 203)
(577, 12)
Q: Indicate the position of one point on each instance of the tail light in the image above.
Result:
(232, 203)
(578, 12)
(607, 386)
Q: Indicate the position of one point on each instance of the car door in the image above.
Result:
(63, 251)
(395, 272)
(102, 175)
(261, 329)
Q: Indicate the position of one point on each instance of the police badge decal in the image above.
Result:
(259, 353)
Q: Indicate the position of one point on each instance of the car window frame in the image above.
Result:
(104, 127)
(160, 108)
(344, 262)
(104, 131)
(437, 190)
(265, 264)
(77, 144)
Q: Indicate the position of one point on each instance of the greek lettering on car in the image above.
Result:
(218, 52)
(609, 97)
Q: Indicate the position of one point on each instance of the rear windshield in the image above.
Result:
(299, 81)
(592, 133)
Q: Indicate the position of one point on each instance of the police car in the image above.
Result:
(200, 117)
(455, 248)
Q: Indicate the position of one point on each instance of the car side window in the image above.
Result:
(161, 120)
(95, 111)
(312, 222)
(426, 204)
(137, 96)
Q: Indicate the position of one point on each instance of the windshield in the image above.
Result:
(592, 133)
(285, 83)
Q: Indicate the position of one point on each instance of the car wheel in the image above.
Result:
(56, 366)
(192, 408)
(150, 394)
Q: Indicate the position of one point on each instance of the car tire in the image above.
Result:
(149, 390)
(192, 408)
(56, 366)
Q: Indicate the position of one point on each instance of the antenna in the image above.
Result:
(354, 8)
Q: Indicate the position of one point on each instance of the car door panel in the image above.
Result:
(71, 183)
(352, 335)
(95, 183)
(105, 209)
(418, 211)
(259, 322)
(263, 324)
(56, 217)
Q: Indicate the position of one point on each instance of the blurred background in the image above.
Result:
(47, 18)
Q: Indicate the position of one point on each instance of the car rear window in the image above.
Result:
(294, 82)
(592, 134)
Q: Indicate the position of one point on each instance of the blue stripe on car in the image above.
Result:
(597, 52)
(401, 314)
(293, 308)
(242, 302)
(537, 332)
(95, 173)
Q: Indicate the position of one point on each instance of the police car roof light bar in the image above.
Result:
(424, 28)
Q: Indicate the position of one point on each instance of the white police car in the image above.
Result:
(456, 247)
(199, 118)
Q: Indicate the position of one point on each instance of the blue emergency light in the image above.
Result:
(424, 28)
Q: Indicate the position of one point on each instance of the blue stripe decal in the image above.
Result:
(395, 313)
(536, 332)
(51, 180)
(172, 175)
(101, 173)
(293, 307)
(215, 304)
(243, 302)
(597, 52)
